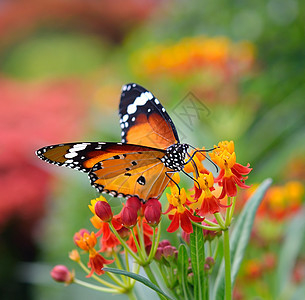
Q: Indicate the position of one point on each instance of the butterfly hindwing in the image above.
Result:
(144, 121)
(142, 175)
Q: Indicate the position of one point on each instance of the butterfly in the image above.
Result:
(142, 164)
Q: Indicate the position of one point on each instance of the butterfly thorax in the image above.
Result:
(175, 156)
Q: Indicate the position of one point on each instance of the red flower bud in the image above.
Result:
(123, 232)
(61, 273)
(129, 216)
(210, 261)
(152, 212)
(169, 252)
(134, 202)
(159, 254)
(103, 211)
(164, 243)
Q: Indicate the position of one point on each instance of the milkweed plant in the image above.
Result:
(203, 266)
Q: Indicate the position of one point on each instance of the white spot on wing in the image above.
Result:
(125, 118)
(71, 155)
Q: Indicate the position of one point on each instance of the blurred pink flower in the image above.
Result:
(111, 19)
(31, 116)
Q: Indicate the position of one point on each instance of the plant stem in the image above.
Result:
(227, 259)
(100, 280)
(123, 243)
(131, 295)
(98, 288)
(152, 278)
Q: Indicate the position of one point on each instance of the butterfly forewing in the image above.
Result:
(144, 120)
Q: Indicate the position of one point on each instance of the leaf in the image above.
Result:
(182, 271)
(139, 278)
(197, 260)
(239, 238)
(291, 247)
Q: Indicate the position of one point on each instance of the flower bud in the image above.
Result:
(129, 216)
(134, 202)
(103, 211)
(164, 243)
(210, 261)
(74, 255)
(123, 232)
(61, 273)
(159, 254)
(152, 212)
(169, 252)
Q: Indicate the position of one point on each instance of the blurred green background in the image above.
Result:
(62, 65)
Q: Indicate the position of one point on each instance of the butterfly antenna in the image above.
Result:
(173, 180)
(194, 165)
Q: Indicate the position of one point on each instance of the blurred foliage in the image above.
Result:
(261, 108)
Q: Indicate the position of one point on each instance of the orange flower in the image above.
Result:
(87, 242)
(207, 202)
(97, 262)
(178, 213)
(231, 173)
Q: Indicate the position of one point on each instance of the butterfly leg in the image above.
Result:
(166, 173)
(191, 178)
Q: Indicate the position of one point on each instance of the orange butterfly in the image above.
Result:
(142, 164)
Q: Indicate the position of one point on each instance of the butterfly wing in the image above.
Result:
(114, 168)
(144, 121)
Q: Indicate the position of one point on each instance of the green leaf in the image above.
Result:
(139, 278)
(291, 247)
(182, 271)
(239, 238)
(197, 260)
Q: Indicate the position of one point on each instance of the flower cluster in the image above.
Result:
(193, 54)
(210, 194)
(134, 232)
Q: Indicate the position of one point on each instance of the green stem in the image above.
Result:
(98, 288)
(141, 238)
(123, 243)
(220, 220)
(137, 246)
(211, 228)
(227, 259)
(155, 243)
(119, 265)
(216, 249)
(152, 278)
(104, 282)
(131, 295)
(232, 209)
